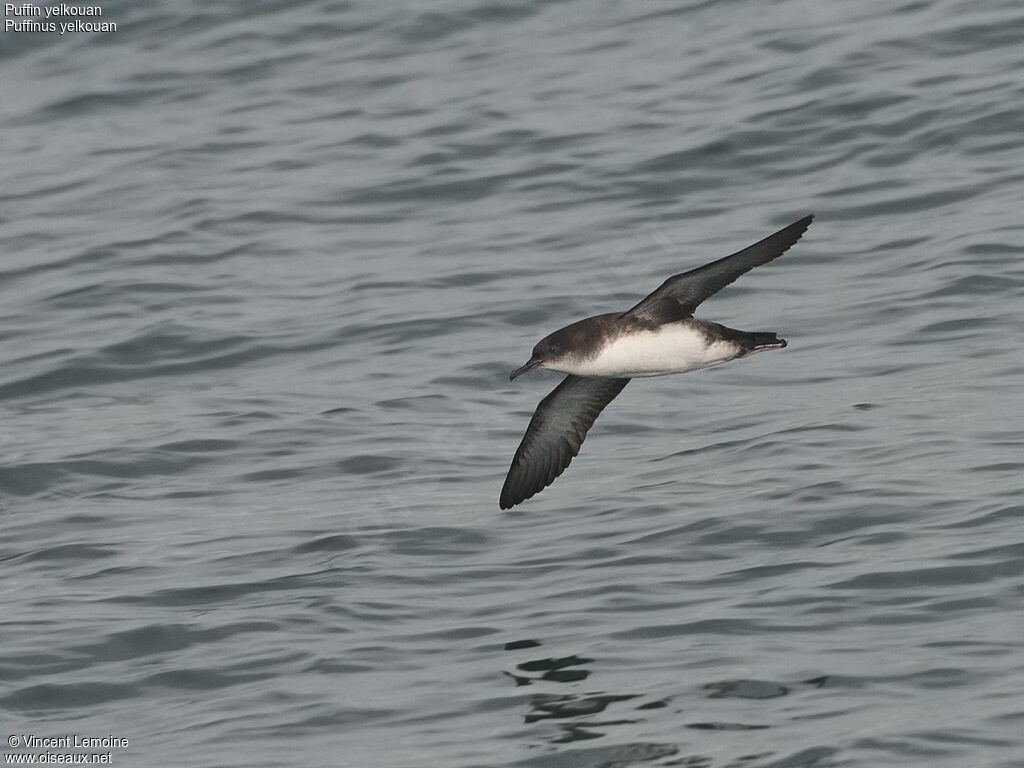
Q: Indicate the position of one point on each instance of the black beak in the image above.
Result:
(534, 362)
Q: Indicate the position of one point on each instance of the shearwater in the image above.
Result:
(601, 354)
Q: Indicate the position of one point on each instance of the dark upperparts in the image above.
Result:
(675, 299)
(681, 294)
(586, 337)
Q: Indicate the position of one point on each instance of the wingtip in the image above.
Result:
(509, 498)
(796, 230)
(512, 497)
(505, 503)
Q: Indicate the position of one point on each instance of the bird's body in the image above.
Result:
(675, 347)
(623, 346)
(601, 354)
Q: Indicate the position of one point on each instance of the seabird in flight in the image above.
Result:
(601, 354)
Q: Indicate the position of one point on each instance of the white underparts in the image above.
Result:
(673, 348)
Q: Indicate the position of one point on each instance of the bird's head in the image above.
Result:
(547, 353)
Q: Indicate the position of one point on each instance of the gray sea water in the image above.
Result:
(264, 269)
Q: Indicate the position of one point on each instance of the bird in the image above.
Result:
(600, 355)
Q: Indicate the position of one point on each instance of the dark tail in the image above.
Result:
(757, 341)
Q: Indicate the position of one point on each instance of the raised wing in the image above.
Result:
(678, 296)
(556, 432)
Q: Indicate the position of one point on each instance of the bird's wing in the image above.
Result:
(556, 432)
(678, 296)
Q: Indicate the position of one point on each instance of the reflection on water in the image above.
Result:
(572, 712)
(581, 716)
(745, 689)
(617, 756)
(558, 670)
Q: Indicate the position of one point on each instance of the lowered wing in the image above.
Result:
(556, 432)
